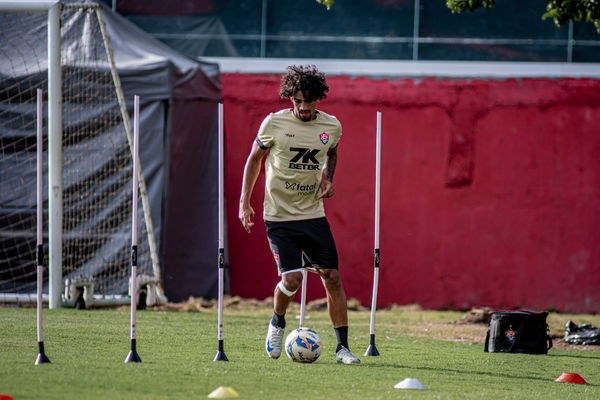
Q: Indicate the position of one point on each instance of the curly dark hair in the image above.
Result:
(306, 79)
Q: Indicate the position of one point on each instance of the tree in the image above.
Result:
(561, 11)
(326, 3)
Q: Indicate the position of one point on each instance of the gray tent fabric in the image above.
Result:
(179, 98)
(178, 151)
(96, 162)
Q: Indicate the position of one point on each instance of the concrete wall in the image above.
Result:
(490, 190)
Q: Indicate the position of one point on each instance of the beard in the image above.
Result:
(304, 117)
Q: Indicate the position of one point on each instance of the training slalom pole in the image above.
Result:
(133, 355)
(41, 358)
(220, 356)
(303, 297)
(372, 350)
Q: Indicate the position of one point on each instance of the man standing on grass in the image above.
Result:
(302, 144)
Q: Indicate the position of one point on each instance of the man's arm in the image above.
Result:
(251, 171)
(327, 188)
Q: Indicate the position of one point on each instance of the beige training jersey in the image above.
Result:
(294, 164)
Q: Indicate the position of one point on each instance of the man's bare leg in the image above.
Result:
(336, 297)
(338, 313)
(284, 293)
(291, 282)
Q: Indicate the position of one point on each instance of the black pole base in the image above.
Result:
(133, 355)
(220, 353)
(220, 356)
(41, 358)
(372, 350)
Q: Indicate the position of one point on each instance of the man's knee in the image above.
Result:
(331, 277)
(291, 281)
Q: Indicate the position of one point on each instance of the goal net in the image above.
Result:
(96, 156)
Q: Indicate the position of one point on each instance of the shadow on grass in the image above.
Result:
(454, 371)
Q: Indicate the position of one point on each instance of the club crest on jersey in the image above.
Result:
(510, 335)
(324, 137)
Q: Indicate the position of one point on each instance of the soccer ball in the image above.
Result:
(303, 345)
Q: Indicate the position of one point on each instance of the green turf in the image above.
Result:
(87, 349)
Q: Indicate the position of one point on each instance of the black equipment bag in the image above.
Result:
(518, 331)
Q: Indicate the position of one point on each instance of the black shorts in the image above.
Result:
(308, 243)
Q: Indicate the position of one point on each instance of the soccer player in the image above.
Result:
(302, 154)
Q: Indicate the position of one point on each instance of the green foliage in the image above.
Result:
(326, 3)
(561, 11)
(458, 6)
(87, 349)
(564, 11)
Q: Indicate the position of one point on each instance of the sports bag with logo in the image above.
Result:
(518, 331)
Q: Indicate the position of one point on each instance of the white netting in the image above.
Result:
(97, 161)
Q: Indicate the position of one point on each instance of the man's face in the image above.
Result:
(305, 111)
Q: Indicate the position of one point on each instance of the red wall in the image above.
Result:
(489, 191)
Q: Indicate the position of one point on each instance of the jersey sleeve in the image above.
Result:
(338, 135)
(264, 139)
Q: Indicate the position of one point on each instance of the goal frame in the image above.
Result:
(53, 9)
(55, 217)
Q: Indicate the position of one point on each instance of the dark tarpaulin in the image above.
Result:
(191, 226)
(178, 150)
(179, 159)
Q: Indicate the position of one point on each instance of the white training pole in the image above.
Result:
(55, 195)
(303, 297)
(372, 350)
(41, 358)
(220, 356)
(133, 356)
(40, 144)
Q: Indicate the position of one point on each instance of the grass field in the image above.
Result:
(87, 349)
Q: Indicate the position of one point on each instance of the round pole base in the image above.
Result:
(41, 358)
(371, 351)
(220, 353)
(133, 357)
(220, 356)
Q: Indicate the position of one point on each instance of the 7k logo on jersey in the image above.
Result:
(309, 161)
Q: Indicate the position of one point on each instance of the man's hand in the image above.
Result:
(251, 171)
(246, 215)
(327, 189)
